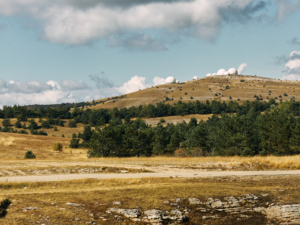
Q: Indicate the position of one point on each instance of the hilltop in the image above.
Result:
(238, 88)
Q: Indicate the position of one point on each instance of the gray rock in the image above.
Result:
(177, 215)
(154, 214)
(194, 201)
(129, 213)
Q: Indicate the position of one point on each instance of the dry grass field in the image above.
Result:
(207, 89)
(94, 197)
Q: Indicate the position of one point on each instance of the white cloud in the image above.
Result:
(158, 80)
(242, 67)
(134, 84)
(81, 22)
(292, 67)
(35, 92)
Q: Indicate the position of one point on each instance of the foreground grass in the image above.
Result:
(148, 193)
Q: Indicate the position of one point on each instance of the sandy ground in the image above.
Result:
(143, 175)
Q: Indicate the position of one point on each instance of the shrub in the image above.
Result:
(3, 207)
(285, 94)
(72, 123)
(18, 124)
(5, 129)
(242, 80)
(185, 93)
(74, 143)
(55, 128)
(192, 97)
(42, 133)
(6, 122)
(74, 135)
(45, 124)
(63, 135)
(23, 132)
(24, 126)
(162, 120)
(57, 147)
(230, 97)
(29, 155)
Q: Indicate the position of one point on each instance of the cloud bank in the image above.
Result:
(35, 92)
(125, 23)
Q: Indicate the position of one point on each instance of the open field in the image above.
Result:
(92, 198)
(209, 88)
(156, 164)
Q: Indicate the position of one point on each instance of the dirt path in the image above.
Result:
(142, 175)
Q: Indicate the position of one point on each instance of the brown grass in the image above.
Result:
(147, 193)
(238, 90)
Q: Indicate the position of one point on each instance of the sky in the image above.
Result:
(55, 51)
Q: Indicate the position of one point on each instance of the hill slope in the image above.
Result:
(221, 88)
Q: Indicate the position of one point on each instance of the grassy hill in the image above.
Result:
(221, 88)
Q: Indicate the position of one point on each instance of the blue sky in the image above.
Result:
(72, 50)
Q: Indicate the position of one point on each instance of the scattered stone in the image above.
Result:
(166, 202)
(129, 213)
(124, 171)
(194, 201)
(117, 203)
(73, 204)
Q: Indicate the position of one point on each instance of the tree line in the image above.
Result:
(248, 132)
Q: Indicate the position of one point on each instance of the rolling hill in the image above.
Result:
(220, 88)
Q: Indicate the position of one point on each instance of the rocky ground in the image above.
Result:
(247, 209)
(67, 170)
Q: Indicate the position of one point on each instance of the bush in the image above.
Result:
(242, 80)
(74, 135)
(18, 124)
(55, 128)
(24, 126)
(6, 122)
(23, 132)
(162, 120)
(230, 97)
(42, 133)
(285, 94)
(74, 143)
(45, 124)
(29, 155)
(57, 147)
(72, 123)
(3, 207)
(63, 135)
(5, 129)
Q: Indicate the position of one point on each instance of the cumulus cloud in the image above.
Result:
(35, 92)
(74, 85)
(134, 84)
(76, 22)
(158, 80)
(242, 67)
(292, 67)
